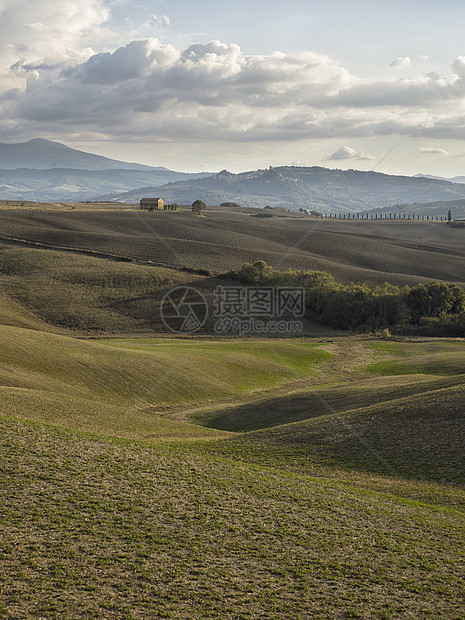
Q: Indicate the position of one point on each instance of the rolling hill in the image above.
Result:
(73, 185)
(400, 252)
(437, 208)
(199, 477)
(120, 506)
(297, 187)
(456, 179)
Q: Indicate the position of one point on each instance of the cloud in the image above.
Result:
(154, 91)
(160, 20)
(346, 152)
(146, 86)
(44, 32)
(400, 62)
(133, 61)
(157, 21)
(431, 150)
(420, 93)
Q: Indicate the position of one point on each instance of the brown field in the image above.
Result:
(374, 252)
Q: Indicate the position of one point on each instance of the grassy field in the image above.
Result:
(146, 476)
(346, 500)
(98, 529)
(123, 388)
(435, 358)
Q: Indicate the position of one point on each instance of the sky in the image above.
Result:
(212, 85)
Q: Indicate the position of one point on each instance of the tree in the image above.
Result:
(449, 216)
(257, 273)
(435, 299)
(198, 206)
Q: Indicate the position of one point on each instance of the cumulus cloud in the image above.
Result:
(400, 62)
(346, 152)
(133, 61)
(44, 32)
(147, 89)
(148, 86)
(431, 150)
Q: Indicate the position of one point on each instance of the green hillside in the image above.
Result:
(120, 381)
(415, 437)
(154, 476)
(116, 529)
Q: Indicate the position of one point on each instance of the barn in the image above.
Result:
(152, 204)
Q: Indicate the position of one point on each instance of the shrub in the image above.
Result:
(435, 308)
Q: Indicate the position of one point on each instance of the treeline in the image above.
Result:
(433, 309)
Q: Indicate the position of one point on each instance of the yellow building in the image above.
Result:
(152, 204)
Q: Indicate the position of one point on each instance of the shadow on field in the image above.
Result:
(418, 437)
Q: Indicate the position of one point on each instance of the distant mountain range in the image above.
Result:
(40, 154)
(41, 170)
(297, 187)
(49, 171)
(459, 179)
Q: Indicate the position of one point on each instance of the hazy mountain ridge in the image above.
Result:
(69, 184)
(305, 187)
(40, 154)
(457, 179)
(49, 171)
(41, 170)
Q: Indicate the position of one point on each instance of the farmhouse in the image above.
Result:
(152, 204)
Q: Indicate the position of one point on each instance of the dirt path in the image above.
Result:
(351, 355)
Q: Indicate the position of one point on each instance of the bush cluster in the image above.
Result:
(198, 206)
(434, 308)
